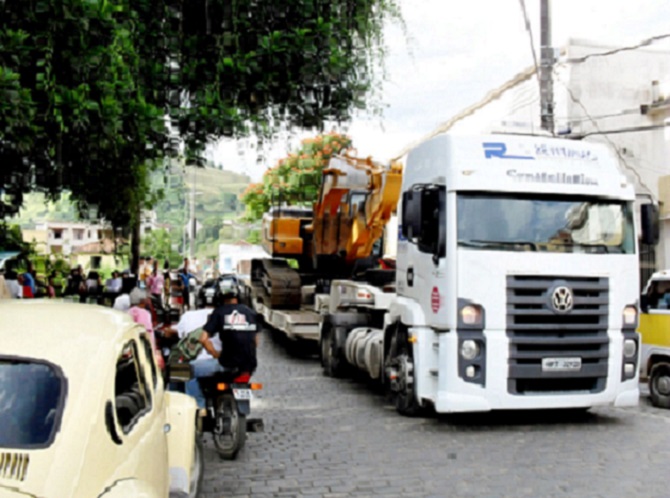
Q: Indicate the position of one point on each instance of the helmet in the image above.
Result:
(227, 288)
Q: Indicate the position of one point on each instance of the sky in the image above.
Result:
(451, 53)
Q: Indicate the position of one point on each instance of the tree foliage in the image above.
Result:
(95, 94)
(294, 180)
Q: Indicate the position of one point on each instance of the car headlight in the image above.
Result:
(469, 349)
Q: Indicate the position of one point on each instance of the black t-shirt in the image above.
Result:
(237, 327)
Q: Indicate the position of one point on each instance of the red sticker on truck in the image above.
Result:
(435, 300)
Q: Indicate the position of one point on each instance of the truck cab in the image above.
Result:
(517, 277)
(655, 332)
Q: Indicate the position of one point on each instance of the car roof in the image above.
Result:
(67, 334)
(660, 275)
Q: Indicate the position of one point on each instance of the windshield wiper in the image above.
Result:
(483, 244)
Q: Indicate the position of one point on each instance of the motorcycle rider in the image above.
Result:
(236, 326)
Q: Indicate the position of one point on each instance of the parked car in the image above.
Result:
(84, 411)
(655, 332)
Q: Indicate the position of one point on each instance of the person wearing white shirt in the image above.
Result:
(204, 364)
(195, 319)
(12, 283)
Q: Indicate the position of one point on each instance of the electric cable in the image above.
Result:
(530, 36)
(577, 101)
(643, 43)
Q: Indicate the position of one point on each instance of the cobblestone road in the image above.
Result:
(338, 438)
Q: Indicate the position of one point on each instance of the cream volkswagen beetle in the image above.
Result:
(83, 409)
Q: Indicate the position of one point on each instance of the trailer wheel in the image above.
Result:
(401, 366)
(334, 365)
(659, 385)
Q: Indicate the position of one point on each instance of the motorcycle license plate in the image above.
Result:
(242, 393)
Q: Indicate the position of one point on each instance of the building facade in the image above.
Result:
(601, 94)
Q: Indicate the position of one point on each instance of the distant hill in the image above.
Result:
(217, 197)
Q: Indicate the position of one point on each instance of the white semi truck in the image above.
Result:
(516, 284)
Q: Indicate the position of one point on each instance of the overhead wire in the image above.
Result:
(643, 43)
(529, 30)
(616, 149)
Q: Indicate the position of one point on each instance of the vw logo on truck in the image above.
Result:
(562, 299)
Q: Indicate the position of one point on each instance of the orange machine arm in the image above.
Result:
(355, 203)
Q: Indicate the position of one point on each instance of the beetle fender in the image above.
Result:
(129, 487)
(181, 418)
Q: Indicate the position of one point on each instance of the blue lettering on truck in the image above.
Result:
(498, 149)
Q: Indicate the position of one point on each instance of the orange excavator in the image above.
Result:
(335, 238)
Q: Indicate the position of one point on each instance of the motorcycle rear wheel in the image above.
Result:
(228, 443)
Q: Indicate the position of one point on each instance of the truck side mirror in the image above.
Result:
(441, 246)
(650, 224)
(411, 215)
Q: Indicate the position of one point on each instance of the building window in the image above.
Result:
(58, 234)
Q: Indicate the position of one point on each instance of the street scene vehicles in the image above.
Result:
(512, 287)
(84, 410)
(655, 333)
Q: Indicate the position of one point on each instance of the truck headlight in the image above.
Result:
(471, 314)
(469, 349)
(629, 348)
(630, 316)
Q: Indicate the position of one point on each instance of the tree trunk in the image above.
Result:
(135, 244)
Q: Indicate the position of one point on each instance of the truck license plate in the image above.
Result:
(561, 364)
(242, 393)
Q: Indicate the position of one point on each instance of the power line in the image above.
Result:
(643, 43)
(631, 129)
(605, 136)
(530, 36)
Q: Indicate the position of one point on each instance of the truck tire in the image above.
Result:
(401, 359)
(659, 385)
(332, 357)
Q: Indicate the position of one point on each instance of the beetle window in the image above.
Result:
(32, 395)
(131, 394)
(148, 350)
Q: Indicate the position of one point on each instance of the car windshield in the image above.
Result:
(548, 223)
(31, 399)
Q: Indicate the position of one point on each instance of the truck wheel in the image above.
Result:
(402, 365)
(334, 365)
(659, 385)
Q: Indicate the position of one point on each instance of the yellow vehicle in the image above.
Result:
(83, 408)
(655, 332)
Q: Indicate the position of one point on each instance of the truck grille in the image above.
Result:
(537, 331)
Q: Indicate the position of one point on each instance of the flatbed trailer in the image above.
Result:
(302, 323)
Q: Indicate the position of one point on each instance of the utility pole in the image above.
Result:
(546, 68)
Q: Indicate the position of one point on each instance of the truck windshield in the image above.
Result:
(31, 399)
(550, 223)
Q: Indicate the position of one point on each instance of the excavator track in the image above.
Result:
(277, 285)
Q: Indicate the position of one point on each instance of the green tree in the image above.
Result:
(296, 179)
(159, 244)
(95, 94)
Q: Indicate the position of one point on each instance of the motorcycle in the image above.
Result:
(228, 405)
